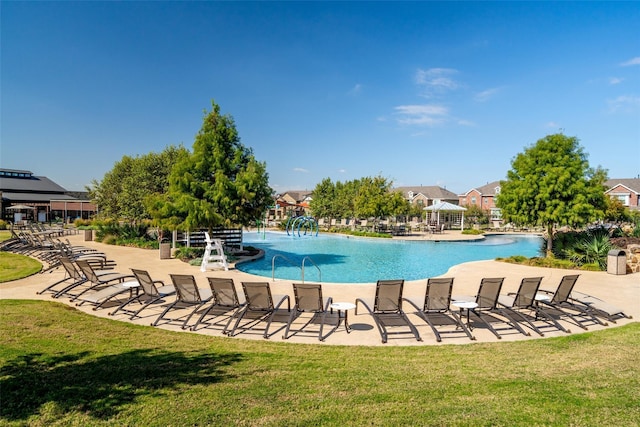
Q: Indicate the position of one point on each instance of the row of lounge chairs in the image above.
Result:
(48, 247)
(219, 306)
(529, 307)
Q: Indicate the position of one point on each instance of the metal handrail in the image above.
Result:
(273, 265)
(314, 264)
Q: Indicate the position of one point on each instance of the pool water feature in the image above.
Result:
(348, 259)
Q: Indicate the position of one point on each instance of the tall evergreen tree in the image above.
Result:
(220, 183)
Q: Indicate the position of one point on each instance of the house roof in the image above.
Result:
(429, 191)
(298, 196)
(35, 184)
(485, 190)
(34, 197)
(633, 184)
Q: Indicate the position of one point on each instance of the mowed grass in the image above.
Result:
(60, 366)
(5, 235)
(15, 266)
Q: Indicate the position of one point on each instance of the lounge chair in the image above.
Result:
(102, 287)
(259, 307)
(524, 301)
(386, 309)
(561, 302)
(107, 294)
(148, 293)
(225, 300)
(487, 303)
(95, 279)
(188, 296)
(436, 308)
(308, 299)
(599, 307)
(72, 278)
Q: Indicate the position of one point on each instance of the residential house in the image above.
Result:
(428, 195)
(290, 204)
(626, 190)
(484, 197)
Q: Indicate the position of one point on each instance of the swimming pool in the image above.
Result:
(348, 259)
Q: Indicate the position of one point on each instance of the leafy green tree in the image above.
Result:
(615, 210)
(122, 191)
(476, 215)
(397, 204)
(345, 197)
(219, 184)
(323, 201)
(373, 198)
(551, 184)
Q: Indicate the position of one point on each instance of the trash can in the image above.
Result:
(88, 235)
(165, 250)
(617, 262)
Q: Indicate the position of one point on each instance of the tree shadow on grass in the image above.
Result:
(101, 386)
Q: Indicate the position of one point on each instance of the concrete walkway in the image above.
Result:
(622, 291)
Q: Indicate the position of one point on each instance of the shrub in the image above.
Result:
(126, 234)
(591, 247)
(3, 224)
(188, 253)
(472, 231)
(82, 223)
(108, 239)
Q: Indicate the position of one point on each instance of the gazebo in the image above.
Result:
(445, 213)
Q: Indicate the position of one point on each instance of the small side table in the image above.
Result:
(542, 297)
(132, 285)
(465, 305)
(343, 313)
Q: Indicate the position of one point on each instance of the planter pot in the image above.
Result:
(88, 235)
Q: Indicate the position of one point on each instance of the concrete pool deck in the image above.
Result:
(619, 290)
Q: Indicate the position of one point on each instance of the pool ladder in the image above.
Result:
(273, 266)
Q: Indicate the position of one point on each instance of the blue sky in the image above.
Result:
(422, 93)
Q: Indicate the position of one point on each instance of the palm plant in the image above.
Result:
(592, 248)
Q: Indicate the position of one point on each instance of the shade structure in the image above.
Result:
(440, 207)
(19, 207)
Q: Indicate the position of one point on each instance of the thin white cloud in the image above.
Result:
(355, 90)
(422, 115)
(437, 80)
(485, 95)
(615, 80)
(342, 171)
(300, 170)
(552, 125)
(463, 122)
(623, 104)
(632, 61)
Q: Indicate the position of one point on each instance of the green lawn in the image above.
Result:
(63, 367)
(15, 266)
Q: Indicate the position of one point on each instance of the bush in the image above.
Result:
(3, 224)
(109, 239)
(472, 231)
(582, 247)
(80, 223)
(548, 262)
(188, 253)
(135, 235)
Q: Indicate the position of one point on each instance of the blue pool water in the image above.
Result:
(343, 259)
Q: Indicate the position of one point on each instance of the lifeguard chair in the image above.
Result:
(214, 256)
